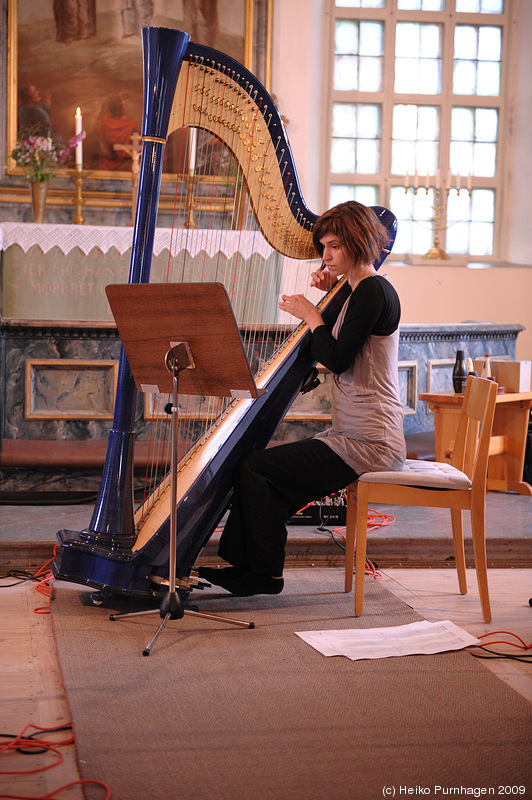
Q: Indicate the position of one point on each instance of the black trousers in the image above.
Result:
(270, 486)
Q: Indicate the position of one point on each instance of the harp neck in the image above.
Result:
(217, 94)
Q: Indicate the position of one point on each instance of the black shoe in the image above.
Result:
(251, 584)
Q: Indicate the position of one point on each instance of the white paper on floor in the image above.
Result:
(402, 640)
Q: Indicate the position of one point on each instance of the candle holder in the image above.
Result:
(437, 253)
(78, 178)
(191, 181)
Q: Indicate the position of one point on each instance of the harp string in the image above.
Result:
(220, 157)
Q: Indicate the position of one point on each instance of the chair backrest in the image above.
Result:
(472, 443)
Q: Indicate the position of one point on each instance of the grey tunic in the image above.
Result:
(367, 414)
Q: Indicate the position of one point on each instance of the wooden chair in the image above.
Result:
(457, 486)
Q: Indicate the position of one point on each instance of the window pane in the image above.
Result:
(361, 3)
(470, 222)
(356, 132)
(421, 5)
(461, 158)
(345, 73)
(415, 136)
(483, 6)
(358, 55)
(369, 121)
(484, 160)
(481, 239)
(417, 58)
(341, 193)
(370, 74)
(489, 44)
(371, 38)
(343, 155)
(462, 124)
(345, 37)
(344, 119)
(368, 161)
(464, 77)
(474, 141)
(483, 204)
(486, 124)
(488, 79)
(414, 218)
(465, 42)
(477, 54)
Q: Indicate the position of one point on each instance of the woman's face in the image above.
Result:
(337, 260)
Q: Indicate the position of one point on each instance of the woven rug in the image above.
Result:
(224, 713)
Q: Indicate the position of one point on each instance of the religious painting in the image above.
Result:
(65, 55)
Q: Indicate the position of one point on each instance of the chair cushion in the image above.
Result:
(433, 474)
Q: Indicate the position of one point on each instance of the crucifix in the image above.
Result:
(134, 150)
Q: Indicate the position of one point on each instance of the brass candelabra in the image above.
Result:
(437, 253)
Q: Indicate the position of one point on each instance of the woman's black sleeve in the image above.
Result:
(366, 306)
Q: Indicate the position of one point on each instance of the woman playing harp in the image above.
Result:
(195, 88)
(367, 414)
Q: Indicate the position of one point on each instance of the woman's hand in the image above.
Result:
(322, 279)
(300, 307)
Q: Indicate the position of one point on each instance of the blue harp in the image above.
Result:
(125, 550)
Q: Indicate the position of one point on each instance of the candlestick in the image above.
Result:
(469, 182)
(78, 127)
(416, 180)
(458, 182)
(406, 181)
(78, 177)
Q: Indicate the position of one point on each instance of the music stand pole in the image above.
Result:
(177, 358)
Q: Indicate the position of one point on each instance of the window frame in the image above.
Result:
(387, 99)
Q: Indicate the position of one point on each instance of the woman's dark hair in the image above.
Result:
(357, 227)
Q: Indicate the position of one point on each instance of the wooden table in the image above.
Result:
(510, 426)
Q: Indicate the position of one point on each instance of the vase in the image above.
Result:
(39, 190)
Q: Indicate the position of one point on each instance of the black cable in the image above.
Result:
(511, 656)
(33, 735)
(21, 574)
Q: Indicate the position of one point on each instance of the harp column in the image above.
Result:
(112, 523)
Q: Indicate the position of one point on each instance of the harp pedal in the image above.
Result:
(187, 584)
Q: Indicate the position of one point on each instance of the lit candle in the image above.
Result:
(77, 130)
(427, 181)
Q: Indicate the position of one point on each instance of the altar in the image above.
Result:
(60, 347)
(59, 272)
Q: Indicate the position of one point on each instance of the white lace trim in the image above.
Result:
(88, 237)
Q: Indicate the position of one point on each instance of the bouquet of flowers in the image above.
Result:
(41, 157)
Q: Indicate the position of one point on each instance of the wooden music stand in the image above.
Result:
(180, 337)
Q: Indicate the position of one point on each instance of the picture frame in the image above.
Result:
(93, 61)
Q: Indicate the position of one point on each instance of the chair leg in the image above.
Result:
(361, 544)
(350, 536)
(478, 521)
(459, 553)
